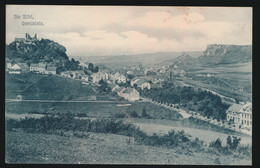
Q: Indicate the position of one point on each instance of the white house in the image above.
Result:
(51, 70)
(15, 69)
(119, 78)
(24, 67)
(130, 94)
(141, 83)
(130, 72)
(68, 74)
(8, 64)
(240, 115)
(38, 68)
(99, 76)
(119, 90)
(84, 77)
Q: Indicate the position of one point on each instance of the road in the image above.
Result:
(70, 101)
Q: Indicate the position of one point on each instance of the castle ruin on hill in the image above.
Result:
(27, 38)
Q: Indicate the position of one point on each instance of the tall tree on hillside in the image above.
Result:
(144, 114)
(90, 66)
(96, 69)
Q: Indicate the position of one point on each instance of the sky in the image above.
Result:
(126, 30)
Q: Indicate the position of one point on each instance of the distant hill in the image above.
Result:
(184, 58)
(225, 54)
(144, 59)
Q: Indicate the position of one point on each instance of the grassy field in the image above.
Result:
(46, 87)
(92, 109)
(98, 148)
(238, 74)
(102, 149)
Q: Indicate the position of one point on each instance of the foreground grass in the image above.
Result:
(69, 127)
(100, 148)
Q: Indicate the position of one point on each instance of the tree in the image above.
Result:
(90, 66)
(236, 142)
(95, 70)
(104, 86)
(129, 76)
(216, 144)
(233, 144)
(237, 101)
(229, 141)
(144, 114)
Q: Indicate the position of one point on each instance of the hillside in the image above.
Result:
(39, 50)
(34, 86)
(225, 54)
(31, 50)
(104, 148)
(183, 58)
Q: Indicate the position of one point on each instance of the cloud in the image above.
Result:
(104, 42)
(164, 20)
(111, 30)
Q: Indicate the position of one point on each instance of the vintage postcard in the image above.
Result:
(128, 85)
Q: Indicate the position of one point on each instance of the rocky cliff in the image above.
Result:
(217, 53)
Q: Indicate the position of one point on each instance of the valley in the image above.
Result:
(127, 109)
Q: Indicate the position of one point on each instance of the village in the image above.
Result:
(108, 84)
(129, 83)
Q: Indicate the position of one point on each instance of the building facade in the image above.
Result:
(96, 77)
(240, 115)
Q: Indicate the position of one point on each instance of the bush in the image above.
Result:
(132, 114)
(233, 144)
(119, 115)
(216, 144)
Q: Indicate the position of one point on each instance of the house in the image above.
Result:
(78, 74)
(130, 72)
(133, 81)
(119, 90)
(118, 78)
(41, 67)
(24, 67)
(15, 69)
(121, 79)
(19, 97)
(141, 83)
(8, 64)
(51, 70)
(240, 115)
(68, 74)
(182, 73)
(84, 77)
(130, 94)
(96, 77)
(38, 68)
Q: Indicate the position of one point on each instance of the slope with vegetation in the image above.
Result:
(68, 126)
